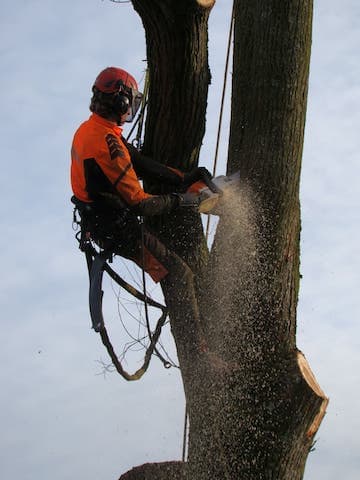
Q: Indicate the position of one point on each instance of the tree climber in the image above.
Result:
(105, 172)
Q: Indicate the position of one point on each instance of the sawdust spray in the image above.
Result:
(236, 270)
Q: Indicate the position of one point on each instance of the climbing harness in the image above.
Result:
(98, 261)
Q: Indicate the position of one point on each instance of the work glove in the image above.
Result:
(187, 199)
(198, 173)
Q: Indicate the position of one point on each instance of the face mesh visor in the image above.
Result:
(136, 99)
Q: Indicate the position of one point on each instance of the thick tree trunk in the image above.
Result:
(177, 56)
(278, 403)
(256, 419)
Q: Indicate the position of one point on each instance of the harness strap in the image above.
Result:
(95, 292)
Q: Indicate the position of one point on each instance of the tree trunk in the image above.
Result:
(256, 418)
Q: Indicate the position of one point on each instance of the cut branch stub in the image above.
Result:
(156, 471)
(310, 379)
(206, 3)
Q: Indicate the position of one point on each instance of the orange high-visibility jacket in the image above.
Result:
(99, 155)
(102, 163)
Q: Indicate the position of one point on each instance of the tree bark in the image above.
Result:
(256, 418)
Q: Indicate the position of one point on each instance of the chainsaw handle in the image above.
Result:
(201, 175)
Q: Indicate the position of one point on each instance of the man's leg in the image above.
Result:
(177, 281)
(179, 292)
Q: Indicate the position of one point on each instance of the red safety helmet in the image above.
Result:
(127, 98)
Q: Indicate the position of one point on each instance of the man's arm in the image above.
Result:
(147, 168)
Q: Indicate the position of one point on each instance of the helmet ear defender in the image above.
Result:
(121, 103)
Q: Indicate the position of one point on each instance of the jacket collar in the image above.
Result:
(94, 117)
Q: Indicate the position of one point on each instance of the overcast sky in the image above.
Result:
(60, 419)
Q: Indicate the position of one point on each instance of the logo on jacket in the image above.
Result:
(115, 148)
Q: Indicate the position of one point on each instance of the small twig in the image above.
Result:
(119, 1)
(106, 368)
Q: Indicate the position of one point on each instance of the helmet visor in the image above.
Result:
(136, 99)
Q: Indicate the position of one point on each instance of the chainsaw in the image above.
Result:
(212, 192)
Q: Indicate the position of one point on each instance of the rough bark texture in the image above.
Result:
(256, 419)
(176, 40)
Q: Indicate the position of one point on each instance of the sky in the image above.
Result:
(61, 416)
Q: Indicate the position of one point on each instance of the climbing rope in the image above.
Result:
(226, 71)
(154, 337)
(137, 141)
